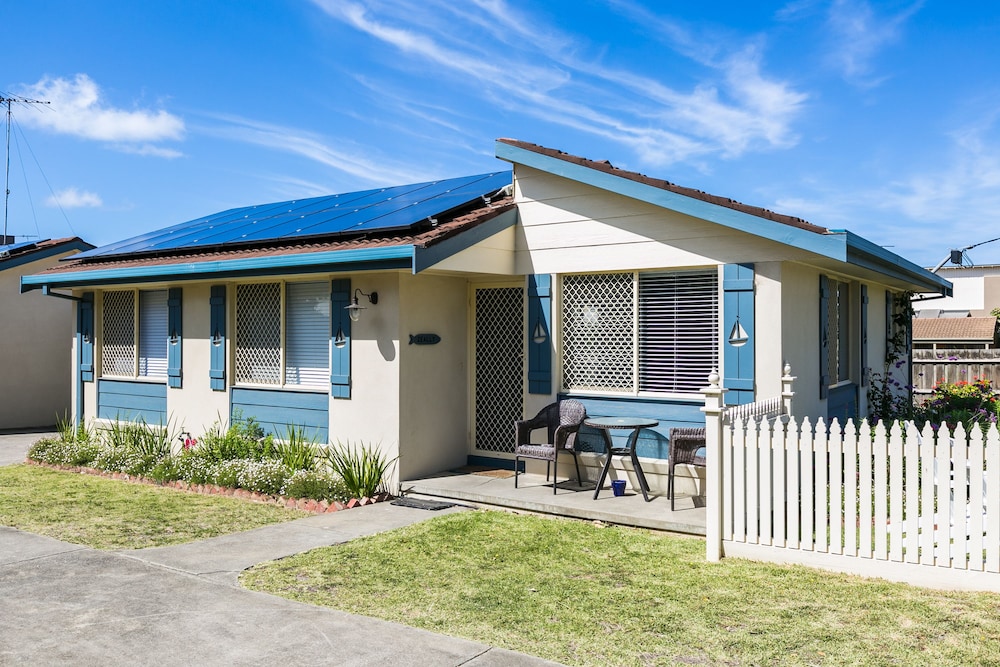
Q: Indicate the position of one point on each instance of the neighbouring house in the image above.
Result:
(34, 344)
(975, 293)
(427, 318)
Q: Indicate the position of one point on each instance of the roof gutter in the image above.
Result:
(862, 252)
(360, 259)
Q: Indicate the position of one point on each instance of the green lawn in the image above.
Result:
(112, 514)
(583, 594)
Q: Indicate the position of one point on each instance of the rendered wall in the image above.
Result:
(36, 345)
(434, 379)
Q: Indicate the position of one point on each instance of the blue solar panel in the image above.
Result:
(382, 210)
(13, 248)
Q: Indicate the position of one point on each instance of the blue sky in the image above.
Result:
(877, 117)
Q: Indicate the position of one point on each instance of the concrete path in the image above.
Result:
(63, 604)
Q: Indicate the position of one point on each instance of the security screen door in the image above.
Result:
(498, 368)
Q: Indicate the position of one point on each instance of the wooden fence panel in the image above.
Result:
(931, 367)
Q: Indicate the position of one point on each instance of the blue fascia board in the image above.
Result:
(37, 255)
(828, 245)
(335, 260)
(864, 253)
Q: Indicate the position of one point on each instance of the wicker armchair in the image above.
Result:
(684, 444)
(562, 421)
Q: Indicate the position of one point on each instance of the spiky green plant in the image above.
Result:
(298, 450)
(363, 468)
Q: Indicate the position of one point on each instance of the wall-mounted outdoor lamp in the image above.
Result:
(354, 310)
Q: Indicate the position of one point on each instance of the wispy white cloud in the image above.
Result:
(527, 66)
(858, 34)
(358, 163)
(74, 198)
(78, 108)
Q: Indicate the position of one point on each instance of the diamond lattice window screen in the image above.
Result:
(307, 334)
(598, 320)
(678, 330)
(153, 333)
(258, 333)
(499, 366)
(118, 343)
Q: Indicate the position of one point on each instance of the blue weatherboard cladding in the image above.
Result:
(126, 400)
(340, 326)
(539, 325)
(277, 409)
(824, 336)
(738, 307)
(175, 340)
(217, 338)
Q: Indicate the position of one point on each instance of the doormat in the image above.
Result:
(419, 504)
(486, 471)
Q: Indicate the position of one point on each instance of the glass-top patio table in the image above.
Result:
(636, 424)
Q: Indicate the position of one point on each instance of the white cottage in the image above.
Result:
(482, 299)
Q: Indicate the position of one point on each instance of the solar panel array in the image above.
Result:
(383, 209)
(14, 248)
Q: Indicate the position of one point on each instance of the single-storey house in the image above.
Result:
(428, 318)
(34, 347)
(954, 333)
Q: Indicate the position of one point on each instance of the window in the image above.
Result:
(135, 333)
(838, 332)
(268, 314)
(646, 332)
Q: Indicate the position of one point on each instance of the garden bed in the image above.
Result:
(305, 504)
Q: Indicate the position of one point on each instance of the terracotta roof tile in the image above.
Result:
(606, 167)
(954, 328)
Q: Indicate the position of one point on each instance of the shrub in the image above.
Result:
(316, 485)
(196, 467)
(968, 403)
(61, 452)
(361, 468)
(243, 439)
(166, 469)
(262, 476)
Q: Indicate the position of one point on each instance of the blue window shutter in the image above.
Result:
(738, 316)
(864, 335)
(217, 338)
(85, 336)
(340, 328)
(539, 327)
(175, 337)
(824, 336)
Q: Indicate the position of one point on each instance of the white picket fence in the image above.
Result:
(904, 505)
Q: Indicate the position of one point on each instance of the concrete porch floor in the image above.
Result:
(534, 494)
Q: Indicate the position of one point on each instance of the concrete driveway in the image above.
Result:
(64, 604)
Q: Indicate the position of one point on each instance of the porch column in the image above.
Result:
(714, 408)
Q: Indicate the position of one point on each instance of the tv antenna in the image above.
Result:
(7, 101)
(957, 255)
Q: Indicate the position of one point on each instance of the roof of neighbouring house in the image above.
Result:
(954, 328)
(18, 254)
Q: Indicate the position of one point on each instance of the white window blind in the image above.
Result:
(678, 330)
(307, 334)
(153, 333)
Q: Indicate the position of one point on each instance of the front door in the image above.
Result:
(499, 369)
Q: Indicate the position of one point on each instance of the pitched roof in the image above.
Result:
(18, 254)
(955, 328)
(419, 237)
(606, 167)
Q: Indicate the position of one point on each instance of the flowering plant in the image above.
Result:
(963, 402)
